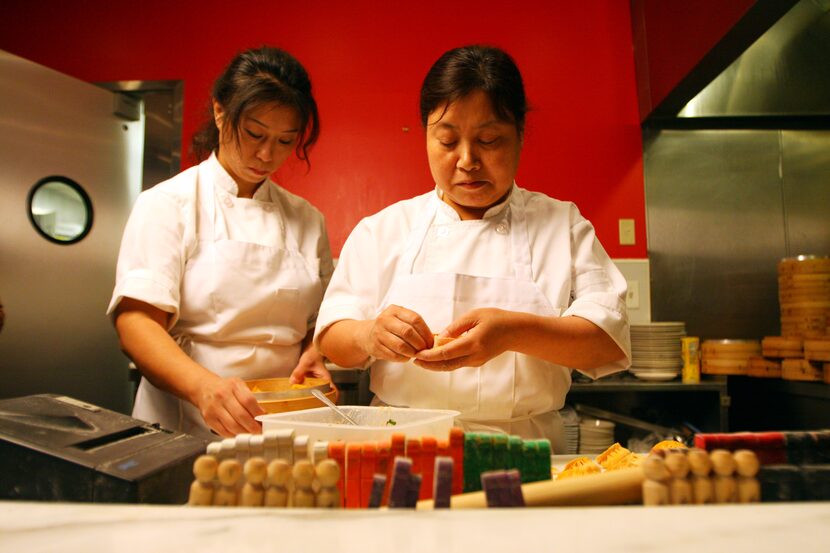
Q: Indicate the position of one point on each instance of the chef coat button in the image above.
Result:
(268, 208)
(228, 202)
(502, 228)
(441, 232)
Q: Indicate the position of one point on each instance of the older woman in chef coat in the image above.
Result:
(221, 271)
(516, 277)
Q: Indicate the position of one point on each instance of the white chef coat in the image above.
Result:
(241, 277)
(567, 264)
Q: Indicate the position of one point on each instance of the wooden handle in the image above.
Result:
(615, 487)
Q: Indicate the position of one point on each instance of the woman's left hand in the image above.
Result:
(481, 335)
(311, 365)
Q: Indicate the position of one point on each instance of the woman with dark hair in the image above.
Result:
(221, 271)
(516, 282)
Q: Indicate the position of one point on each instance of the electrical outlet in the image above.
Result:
(632, 296)
(627, 232)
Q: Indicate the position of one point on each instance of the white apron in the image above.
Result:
(513, 392)
(244, 308)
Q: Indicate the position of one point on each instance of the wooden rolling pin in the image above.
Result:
(616, 487)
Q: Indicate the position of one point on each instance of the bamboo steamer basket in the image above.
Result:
(801, 279)
(817, 350)
(718, 347)
(782, 346)
(801, 295)
(732, 367)
(804, 265)
(728, 357)
(804, 296)
(278, 395)
(806, 307)
(782, 342)
(801, 369)
(797, 283)
(763, 368)
(804, 326)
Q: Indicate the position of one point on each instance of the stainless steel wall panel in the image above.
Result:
(715, 230)
(806, 190)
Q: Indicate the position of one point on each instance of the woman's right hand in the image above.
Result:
(228, 406)
(396, 335)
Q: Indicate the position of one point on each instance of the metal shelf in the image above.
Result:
(817, 390)
(713, 385)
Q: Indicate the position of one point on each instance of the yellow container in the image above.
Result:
(690, 349)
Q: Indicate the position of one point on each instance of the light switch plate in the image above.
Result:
(632, 296)
(627, 232)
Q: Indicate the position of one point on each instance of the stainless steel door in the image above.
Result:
(56, 337)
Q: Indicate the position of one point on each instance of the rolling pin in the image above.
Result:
(615, 487)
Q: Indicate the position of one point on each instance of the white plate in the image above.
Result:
(591, 431)
(596, 423)
(662, 366)
(657, 346)
(659, 327)
(656, 376)
(651, 363)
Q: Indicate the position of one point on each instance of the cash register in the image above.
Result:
(57, 448)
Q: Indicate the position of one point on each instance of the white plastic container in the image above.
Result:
(374, 423)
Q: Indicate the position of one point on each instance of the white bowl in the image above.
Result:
(373, 423)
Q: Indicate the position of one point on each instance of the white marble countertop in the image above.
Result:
(29, 527)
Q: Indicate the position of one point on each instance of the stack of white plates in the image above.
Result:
(571, 439)
(570, 423)
(656, 350)
(595, 436)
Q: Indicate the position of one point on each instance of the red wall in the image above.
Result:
(367, 60)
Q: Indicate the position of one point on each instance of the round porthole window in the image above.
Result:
(60, 210)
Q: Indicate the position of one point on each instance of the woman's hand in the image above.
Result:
(396, 335)
(310, 364)
(481, 335)
(228, 406)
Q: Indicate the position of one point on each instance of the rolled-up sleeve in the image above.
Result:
(152, 254)
(598, 289)
(352, 292)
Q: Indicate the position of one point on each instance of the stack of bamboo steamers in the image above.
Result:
(802, 352)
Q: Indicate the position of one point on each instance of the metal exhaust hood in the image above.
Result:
(775, 63)
(785, 72)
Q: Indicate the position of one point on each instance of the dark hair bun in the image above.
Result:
(461, 71)
(253, 78)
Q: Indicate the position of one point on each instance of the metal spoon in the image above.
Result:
(319, 395)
